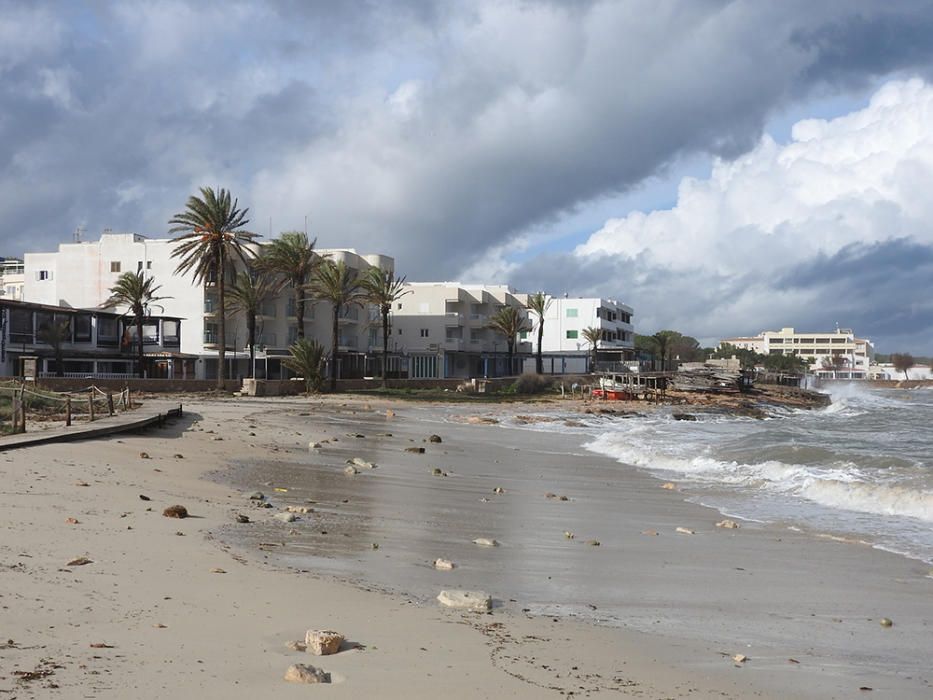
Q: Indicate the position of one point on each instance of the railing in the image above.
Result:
(88, 375)
(453, 316)
(481, 318)
(52, 406)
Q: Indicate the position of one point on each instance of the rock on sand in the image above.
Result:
(302, 673)
(323, 642)
(476, 601)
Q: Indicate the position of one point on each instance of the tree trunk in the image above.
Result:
(511, 346)
(300, 310)
(251, 332)
(539, 363)
(385, 348)
(333, 349)
(139, 339)
(221, 323)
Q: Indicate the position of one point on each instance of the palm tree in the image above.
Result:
(338, 284)
(592, 336)
(539, 303)
(137, 292)
(306, 359)
(292, 257)
(212, 234)
(509, 321)
(383, 289)
(248, 293)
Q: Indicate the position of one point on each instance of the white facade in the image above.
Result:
(815, 348)
(567, 317)
(11, 279)
(442, 327)
(81, 274)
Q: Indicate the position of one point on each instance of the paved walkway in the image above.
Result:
(150, 413)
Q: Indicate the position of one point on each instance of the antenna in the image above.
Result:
(79, 232)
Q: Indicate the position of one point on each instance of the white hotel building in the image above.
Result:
(814, 347)
(80, 275)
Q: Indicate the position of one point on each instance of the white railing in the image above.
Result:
(89, 375)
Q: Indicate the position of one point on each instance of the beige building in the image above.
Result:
(817, 348)
(440, 329)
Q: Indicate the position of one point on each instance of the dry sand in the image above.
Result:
(195, 608)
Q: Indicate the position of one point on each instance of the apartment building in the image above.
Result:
(11, 278)
(563, 347)
(441, 329)
(80, 275)
(816, 348)
(94, 343)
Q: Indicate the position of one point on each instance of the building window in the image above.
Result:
(148, 264)
(571, 313)
(115, 265)
(424, 332)
(83, 328)
(210, 333)
(292, 335)
(523, 335)
(399, 331)
(43, 275)
(139, 265)
(400, 306)
(571, 335)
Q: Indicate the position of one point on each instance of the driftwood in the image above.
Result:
(713, 379)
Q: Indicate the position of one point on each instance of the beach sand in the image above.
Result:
(203, 607)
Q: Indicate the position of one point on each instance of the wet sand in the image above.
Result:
(670, 609)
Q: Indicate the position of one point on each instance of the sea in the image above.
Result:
(860, 468)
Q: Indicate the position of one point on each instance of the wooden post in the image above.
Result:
(16, 408)
(110, 403)
(90, 404)
(68, 411)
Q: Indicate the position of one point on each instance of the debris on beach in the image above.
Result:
(73, 521)
(475, 601)
(683, 416)
(653, 533)
(257, 496)
(178, 455)
(486, 542)
(668, 485)
(80, 561)
(302, 673)
(728, 524)
(444, 564)
(885, 622)
(434, 438)
(555, 497)
(498, 490)
(568, 534)
(217, 570)
(685, 531)
(593, 543)
(296, 645)
(175, 512)
(314, 445)
(101, 645)
(242, 518)
(279, 489)
(415, 450)
(144, 455)
(739, 658)
(350, 470)
(323, 642)
(438, 472)
(143, 497)
(301, 510)
(390, 413)
(81, 483)
(361, 463)
(285, 517)
(355, 435)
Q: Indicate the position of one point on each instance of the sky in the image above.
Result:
(724, 167)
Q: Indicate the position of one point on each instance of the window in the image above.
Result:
(399, 331)
(170, 333)
(571, 335)
(139, 265)
(115, 265)
(523, 335)
(400, 306)
(210, 303)
(571, 313)
(107, 330)
(43, 275)
(776, 341)
(148, 264)
(424, 332)
(373, 336)
(210, 333)
(83, 328)
(292, 335)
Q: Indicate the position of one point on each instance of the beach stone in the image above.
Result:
(683, 416)
(499, 490)
(351, 470)
(475, 601)
(390, 413)
(885, 622)
(444, 564)
(361, 463)
(435, 438)
(256, 496)
(728, 524)
(486, 542)
(415, 450)
(314, 445)
(593, 543)
(80, 561)
(144, 455)
(323, 642)
(296, 645)
(285, 517)
(653, 533)
(175, 512)
(242, 518)
(669, 486)
(301, 510)
(685, 531)
(302, 673)
(568, 534)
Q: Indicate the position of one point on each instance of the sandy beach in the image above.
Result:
(204, 606)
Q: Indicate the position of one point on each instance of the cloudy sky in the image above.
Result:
(722, 166)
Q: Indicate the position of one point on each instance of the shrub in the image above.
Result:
(532, 384)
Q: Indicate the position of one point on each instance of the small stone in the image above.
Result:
(669, 486)
(361, 463)
(175, 512)
(143, 497)
(438, 472)
(314, 445)
(683, 416)
(434, 438)
(415, 450)
(302, 673)
(285, 517)
(444, 564)
(217, 438)
(81, 483)
(739, 658)
(475, 601)
(301, 510)
(144, 455)
(390, 413)
(80, 561)
(885, 622)
(653, 533)
(685, 531)
(498, 489)
(73, 521)
(350, 469)
(217, 570)
(256, 496)
(486, 542)
(568, 534)
(242, 518)
(296, 645)
(593, 543)
(323, 642)
(178, 455)
(728, 524)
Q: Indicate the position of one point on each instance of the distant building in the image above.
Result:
(563, 347)
(11, 278)
(441, 329)
(80, 275)
(817, 348)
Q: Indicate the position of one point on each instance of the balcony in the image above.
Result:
(453, 344)
(523, 346)
(478, 319)
(453, 318)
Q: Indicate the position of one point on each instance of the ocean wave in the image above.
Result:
(842, 486)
